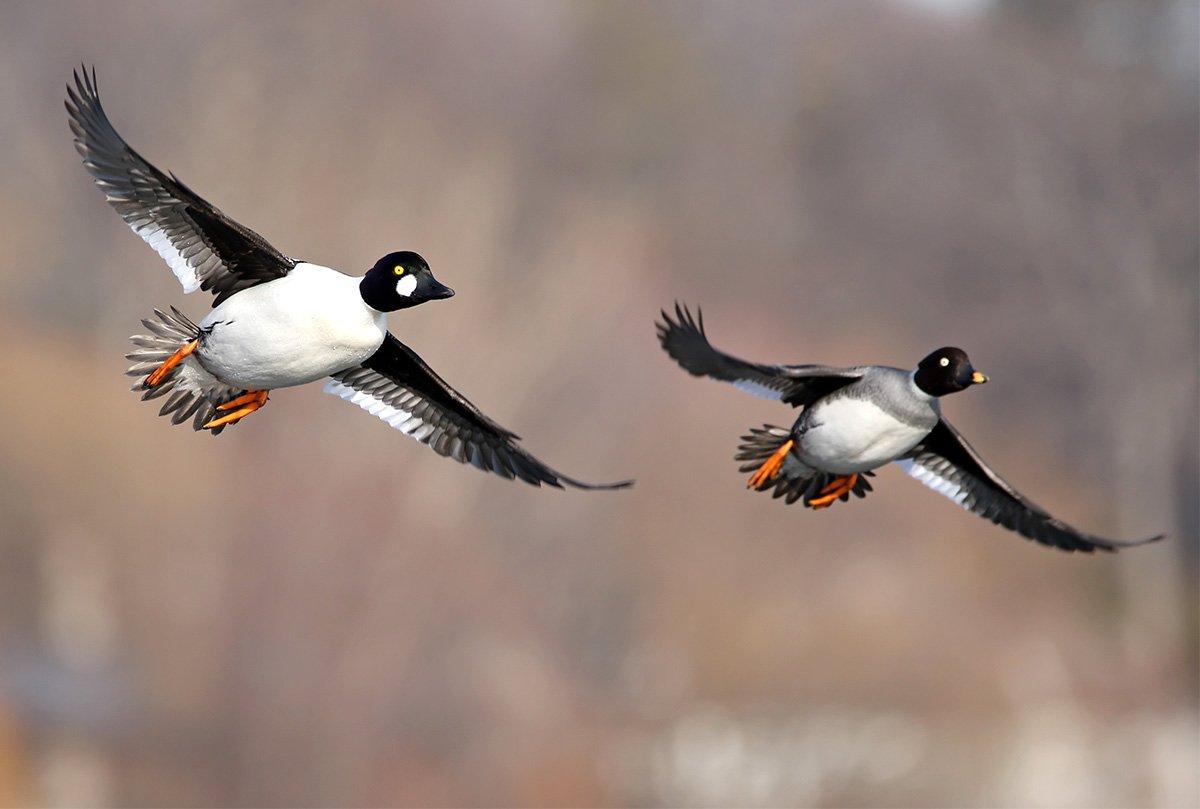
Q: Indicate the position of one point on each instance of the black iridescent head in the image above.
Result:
(947, 370)
(400, 280)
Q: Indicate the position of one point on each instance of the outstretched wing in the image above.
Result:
(397, 386)
(203, 247)
(798, 385)
(946, 463)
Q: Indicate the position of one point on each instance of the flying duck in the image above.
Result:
(277, 321)
(855, 420)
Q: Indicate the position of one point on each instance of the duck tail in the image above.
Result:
(767, 453)
(760, 444)
(164, 365)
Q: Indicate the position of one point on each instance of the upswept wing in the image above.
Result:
(203, 247)
(684, 339)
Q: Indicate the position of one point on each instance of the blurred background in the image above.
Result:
(314, 610)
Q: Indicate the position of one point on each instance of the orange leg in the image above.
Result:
(770, 467)
(840, 486)
(160, 373)
(241, 407)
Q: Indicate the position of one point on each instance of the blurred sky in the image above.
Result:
(314, 610)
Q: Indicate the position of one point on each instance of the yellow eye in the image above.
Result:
(397, 270)
(944, 361)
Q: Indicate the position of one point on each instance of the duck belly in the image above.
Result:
(853, 435)
(297, 329)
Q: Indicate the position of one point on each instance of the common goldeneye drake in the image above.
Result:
(855, 420)
(279, 322)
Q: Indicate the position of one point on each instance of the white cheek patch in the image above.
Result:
(406, 285)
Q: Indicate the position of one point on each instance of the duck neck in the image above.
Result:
(920, 393)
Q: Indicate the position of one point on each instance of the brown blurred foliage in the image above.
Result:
(313, 610)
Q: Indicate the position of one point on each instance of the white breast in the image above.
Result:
(305, 326)
(853, 435)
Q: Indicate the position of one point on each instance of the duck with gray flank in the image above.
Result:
(854, 420)
(279, 321)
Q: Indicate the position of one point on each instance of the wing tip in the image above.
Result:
(598, 487)
(85, 82)
(683, 321)
(1114, 545)
(682, 334)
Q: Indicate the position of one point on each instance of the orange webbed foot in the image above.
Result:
(841, 486)
(771, 466)
(237, 409)
(160, 373)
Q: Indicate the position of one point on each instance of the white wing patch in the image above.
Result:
(757, 389)
(406, 285)
(401, 419)
(153, 234)
(939, 484)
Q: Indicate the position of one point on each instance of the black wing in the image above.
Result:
(204, 248)
(946, 463)
(798, 385)
(397, 386)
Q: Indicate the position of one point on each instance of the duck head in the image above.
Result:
(947, 370)
(400, 280)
